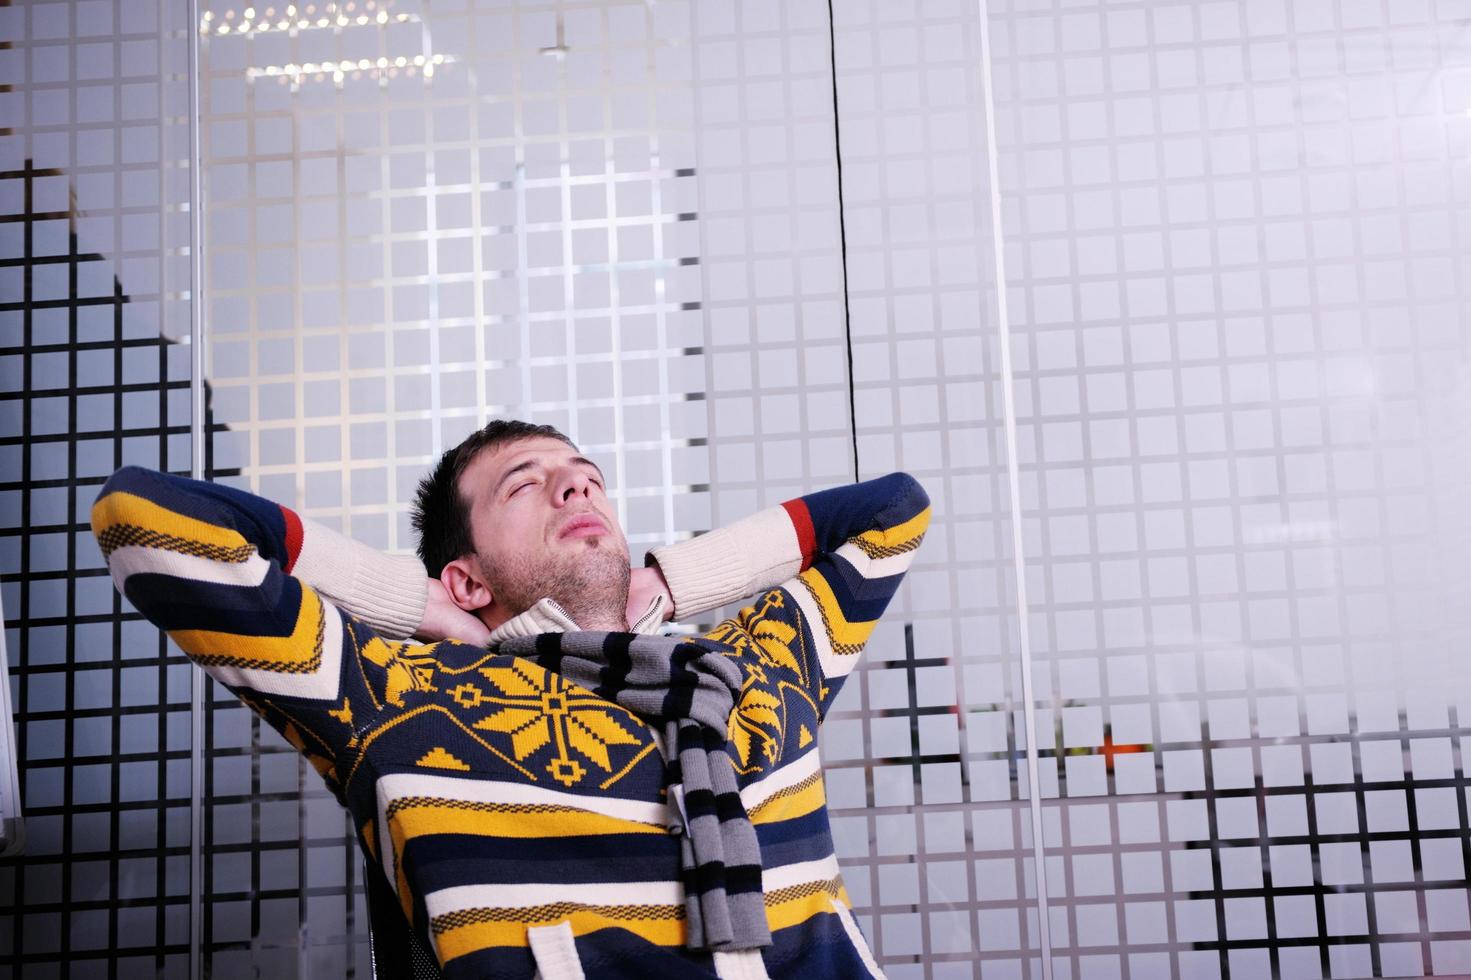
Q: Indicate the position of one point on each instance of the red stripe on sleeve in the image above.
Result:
(802, 523)
(293, 537)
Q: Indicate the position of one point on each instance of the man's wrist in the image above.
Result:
(444, 620)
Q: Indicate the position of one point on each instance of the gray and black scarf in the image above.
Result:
(689, 686)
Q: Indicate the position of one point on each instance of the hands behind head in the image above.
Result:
(443, 620)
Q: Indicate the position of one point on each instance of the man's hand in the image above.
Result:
(643, 585)
(443, 620)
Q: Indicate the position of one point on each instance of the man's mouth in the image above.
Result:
(583, 526)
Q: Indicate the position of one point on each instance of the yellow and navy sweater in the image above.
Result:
(500, 799)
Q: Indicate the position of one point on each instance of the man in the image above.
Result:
(548, 798)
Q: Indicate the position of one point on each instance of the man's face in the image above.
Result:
(543, 527)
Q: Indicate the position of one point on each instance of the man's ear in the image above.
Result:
(461, 579)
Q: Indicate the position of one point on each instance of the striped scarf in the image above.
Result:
(689, 686)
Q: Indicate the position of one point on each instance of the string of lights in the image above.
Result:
(292, 19)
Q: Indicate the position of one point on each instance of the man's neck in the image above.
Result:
(496, 615)
(617, 624)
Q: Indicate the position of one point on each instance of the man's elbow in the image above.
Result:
(118, 498)
(906, 496)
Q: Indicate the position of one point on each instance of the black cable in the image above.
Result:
(843, 238)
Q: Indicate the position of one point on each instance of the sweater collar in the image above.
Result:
(547, 616)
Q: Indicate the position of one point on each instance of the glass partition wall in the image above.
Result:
(421, 219)
(925, 776)
(627, 220)
(1234, 235)
(1215, 417)
(95, 373)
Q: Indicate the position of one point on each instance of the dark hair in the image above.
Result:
(440, 514)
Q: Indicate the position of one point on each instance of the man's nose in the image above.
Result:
(572, 483)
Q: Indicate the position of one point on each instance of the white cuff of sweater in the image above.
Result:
(387, 592)
(730, 563)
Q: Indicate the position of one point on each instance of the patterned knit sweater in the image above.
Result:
(523, 821)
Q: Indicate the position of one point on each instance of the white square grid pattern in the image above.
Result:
(1232, 253)
(513, 230)
(770, 261)
(921, 747)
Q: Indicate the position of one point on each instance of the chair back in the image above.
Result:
(396, 950)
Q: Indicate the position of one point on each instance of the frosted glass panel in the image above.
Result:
(94, 374)
(1232, 244)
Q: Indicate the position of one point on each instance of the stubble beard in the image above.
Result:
(591, 585)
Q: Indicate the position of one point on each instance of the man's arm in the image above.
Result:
(387, 592)
(212, 566)
(837, 555)
(390, 593)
